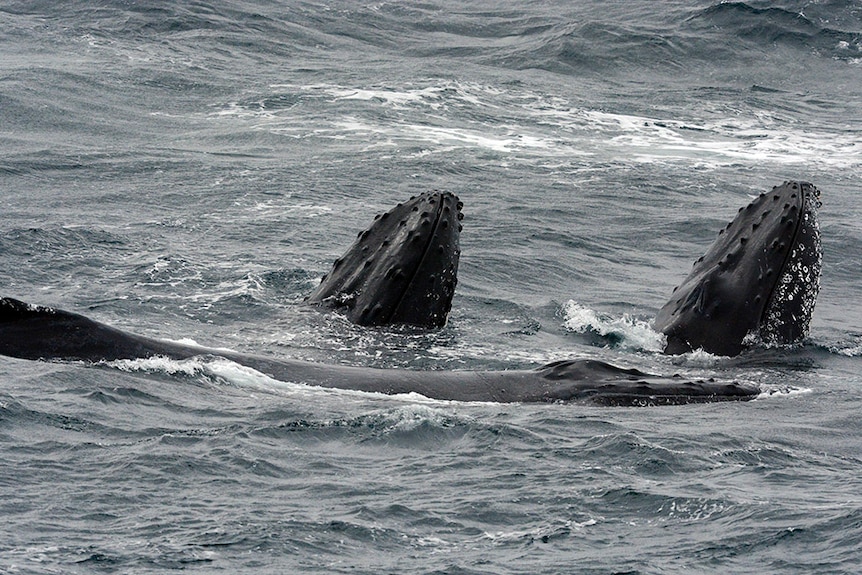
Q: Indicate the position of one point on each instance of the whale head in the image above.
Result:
(401, 270)
(757, 283)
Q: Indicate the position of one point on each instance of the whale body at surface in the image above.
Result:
(37, 332)
(759, 281)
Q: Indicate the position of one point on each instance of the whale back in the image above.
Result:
(401, 270)
(37, 332)
(757, 283)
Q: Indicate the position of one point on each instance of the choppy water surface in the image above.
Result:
(189, 171)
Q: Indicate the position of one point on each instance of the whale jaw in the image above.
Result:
(758, 283)
(401, 270)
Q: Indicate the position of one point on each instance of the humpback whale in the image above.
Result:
(759, 280)
(757, 283)
(401, 270)
(36, 332)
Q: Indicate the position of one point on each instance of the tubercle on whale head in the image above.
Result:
(401, 270)
(758, 282)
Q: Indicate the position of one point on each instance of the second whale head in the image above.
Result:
(757, 283)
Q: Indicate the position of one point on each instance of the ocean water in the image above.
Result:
(189, 170)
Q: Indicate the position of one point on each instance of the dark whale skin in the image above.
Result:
(757, 283)
(401, 270)
(43, 333)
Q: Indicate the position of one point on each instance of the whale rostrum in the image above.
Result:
(757, 283)
(401, 270)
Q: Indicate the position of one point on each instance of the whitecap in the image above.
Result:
(782, 391)
(630, 331)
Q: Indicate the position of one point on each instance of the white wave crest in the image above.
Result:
(784, 391)
(849, 350)
(441, 116)
(190, 367)
(698, 359)
(629, 331)
(226, 372)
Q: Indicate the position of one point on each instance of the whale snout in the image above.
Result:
(757, 283)
(401, 270)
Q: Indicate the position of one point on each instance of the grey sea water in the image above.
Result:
(190, 170)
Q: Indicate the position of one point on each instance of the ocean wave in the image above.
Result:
(219, 371)
(801, 25)
(849, 348)
(624, 331)
(532, 126)
(778, 391)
